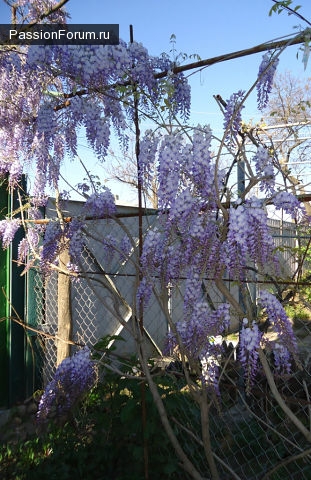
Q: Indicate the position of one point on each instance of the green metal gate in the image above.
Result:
(17, 366)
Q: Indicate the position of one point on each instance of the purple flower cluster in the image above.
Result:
(28, 244)
(125, 247)
(153, 251)
(100, 204)
(143, 293)
(147, 157)
(8, 228)
(73, 378)
(169, 169)
(109, 248)
(33, 10)
(198, 336)
(266, 74)
(264, 169)
(249, 237)
(51, 245)
(41, 127)
(233, 116)
(249, 344)
(76, 241)
(281, 324)
(289, 203)
(282, 358)
(179, 96)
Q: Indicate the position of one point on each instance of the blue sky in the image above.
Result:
(207, 28)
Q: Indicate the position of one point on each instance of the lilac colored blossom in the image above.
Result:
(72, 267)
(249, 237)
(100, 204)
(74, 271)
(143, 294)
(192, 290)
(38, 126)
(249, 344)
(280, 324)
(178, 95)
(29, 243)
(266, 74)
(23, 250)
(201, 168)
(8, 228)
(141, 70)
(203, 247)
(233, 116)
(264, 169)
(282, 358)
(109, 250)
(76, 240)
(34, 9)
(125, 248)
(289, 203)
(198, 337)
(15, 173)
(170, 166)
(153, 250)
(51, 245)
(183, 208)
(210, 364)
(147, 157)
(73, 378)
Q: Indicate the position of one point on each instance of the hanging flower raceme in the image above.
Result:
(8, 229)
(249, 239)
(279, 322)
(148, 157)
(53, 91)
(266, 74)
(100, 204)
(264, 169)
(76, 237)
(289, 203)
(51, 246)
(73, 378)
(199, 335)
(233, 116)
(249, 344)
(169, 169)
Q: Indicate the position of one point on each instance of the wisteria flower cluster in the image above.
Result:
(289, 203)
(8, 228)
(198, 336)
(251, 339)
(188, 230)
(59, 89)
(100, 204)
(264, 169)
(249, 344)
(74, 377)
(280, 323)
(249, 238)
(266, 74)
(233, 115)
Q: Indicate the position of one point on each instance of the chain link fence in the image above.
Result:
(251, 436)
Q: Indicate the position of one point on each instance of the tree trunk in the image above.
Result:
(64, 310)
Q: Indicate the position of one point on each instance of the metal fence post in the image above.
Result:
(4, 307)
(12, 336)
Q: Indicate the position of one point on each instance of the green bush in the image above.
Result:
(104, 440)
(299, 314)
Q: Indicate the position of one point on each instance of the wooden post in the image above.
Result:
(64, 309)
